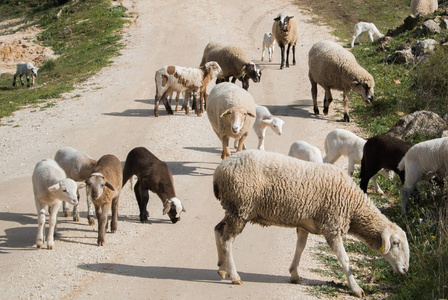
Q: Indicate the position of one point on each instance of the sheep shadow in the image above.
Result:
(205, 149)
(297, 109)
(23, 219)
(131, 113)
(18, 238)
(184, 168)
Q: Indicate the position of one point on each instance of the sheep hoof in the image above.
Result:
(237, 282)
(100, 244)
(222, 273)
(50, 247)
(67, 214)
(346, 117)
(295, 280)
(91, 222)
(316, 111)
(76, 219)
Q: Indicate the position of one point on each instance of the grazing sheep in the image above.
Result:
(27, 69)
(363, 27)
(333, 67)
(286, 32)
(382, 152)
(231, 111)
(269, 43)
(304, 151)
(154, 175)
(234, 63)
(78, 166)
(104, 187)
(273, 189)
(50, 187)
(343, 142)
(171, 79)
(423, 161)
(423, 6)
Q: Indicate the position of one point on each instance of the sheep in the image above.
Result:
(423, 6)
(154, 175)
(362, 27)
(171, 79)
(304, 151)
(231, 113)
(274, 189)
(285, 30)
(50, 187)
(27, 69)
(234, 63)
(382, 151)
(104, 188)
(423, 161)
(78, 166)
(269, 43)
(333, 67)
(343, 142)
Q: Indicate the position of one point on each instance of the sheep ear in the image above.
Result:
(277, 19)
(226, 113)
(183, 208)
(251, 115)
(81, 185)
(54, 187)
(385, 236)
(268, 121)
(167, 206)
(110, 186)
(290, 17)
(356, 82)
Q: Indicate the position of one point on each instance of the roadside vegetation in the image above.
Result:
(85, 35)
(399, 90)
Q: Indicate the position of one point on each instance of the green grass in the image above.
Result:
(86, 36)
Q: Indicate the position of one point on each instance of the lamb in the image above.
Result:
(171, 79)
(104, 188)
(304, 151)
(333, 67)
(269, 43)
(363, 27)
(234, 63)
(273, 189)
(343, 142)
(27, 69)
(423, 161)
(50, 187)
(154, 175)
(78, 166)
(286, 31)
(382, 151)
(231, 113)
(423, 6)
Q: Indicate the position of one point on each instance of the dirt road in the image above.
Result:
(113, 113)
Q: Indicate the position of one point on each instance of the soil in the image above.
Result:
(112, 113)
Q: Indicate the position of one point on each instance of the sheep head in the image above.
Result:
(95, 185)
(213, 69)
(395, 248)
(275, 123)
(66, 190)
(237, 117)
(365, 89)
(173, 207)
(251, 71)
(283, 22)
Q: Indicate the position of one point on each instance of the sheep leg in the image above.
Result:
(302, 236)
(101, 215)
(261, 133)
(41, 216)
(14, 80)
(142, 197)
(351, 165)
(314, 94)
(198, 104)
(32, 79)
(327, 100)
(376, 187)
(21, 80)
(287, 55)
(331, 158)
(167, 105)
(52, 223)
(282, 53)
(345, 102)
(114, 221)
(156, 106)
(75, 208)
(367, 172)
(271, 52)
(370, 36)
(294, 55)
(27, 81)
(264, 49)
(353, 41)
(90, 216)
(241, 143)
(225, 147)
(336, 244)
(65, 209)
(177, 101)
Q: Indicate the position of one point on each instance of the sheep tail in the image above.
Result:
(401, 165)
(216, 190)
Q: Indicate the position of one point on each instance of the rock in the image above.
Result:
(444, 23)
(430, 27)
(384, 42)
(420, 122)
(445, 133)
(403, 56)
(422, 47)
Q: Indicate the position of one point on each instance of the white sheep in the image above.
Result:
(423, 6)
(371, 30)
(333, 67)
(171, 79)
(423, 161)
(27, 69)
(286, 32)
(343, 142)
(268, 188)
(104, 188)
(234, 63)
(268, 43)
(231, 112)
(50, 187)
(77, 166)
(304, 151)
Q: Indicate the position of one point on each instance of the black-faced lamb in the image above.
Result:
(27, 69)
(78, 166)
(305, 151)
(231, 113)
(50, 187)
(382, 152)
(104, 188)
(171, 79)
(234, 63)
(154, 175)
(423, 6)
(268, 43)
(286, 32)
(423, 161)
(273, 189)
(371, 30)
(333, 67)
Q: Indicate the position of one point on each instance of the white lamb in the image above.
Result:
(371, 30)
(304, 151)
(51, 187)
(269, 43)
(343, 142)
(271, 189)
(27, 69)
(423, 6)
(422, 162)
